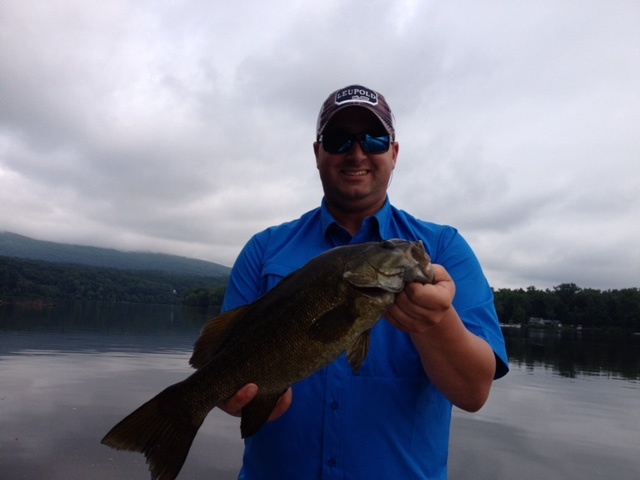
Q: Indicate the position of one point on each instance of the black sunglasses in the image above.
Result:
(341, 142)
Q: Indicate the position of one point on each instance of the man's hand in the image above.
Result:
(460, 364)
(419, 307)
(235, 404)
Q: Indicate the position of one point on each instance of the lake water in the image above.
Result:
(569, 408)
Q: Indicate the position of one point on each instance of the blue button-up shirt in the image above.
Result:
(388, 421)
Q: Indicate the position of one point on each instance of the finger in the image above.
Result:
(398, 318)
(234, 405)
(443, 279)
(440, 273)
(434, 297)
(282, 406)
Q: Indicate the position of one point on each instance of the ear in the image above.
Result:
(395, 148)
(316, 150)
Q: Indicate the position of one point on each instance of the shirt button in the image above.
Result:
(332, 462)
(335, 405)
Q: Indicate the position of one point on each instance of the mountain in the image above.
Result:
(19, 246)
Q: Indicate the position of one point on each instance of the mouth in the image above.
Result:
(355, 173)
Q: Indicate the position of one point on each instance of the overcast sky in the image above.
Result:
(184, 127)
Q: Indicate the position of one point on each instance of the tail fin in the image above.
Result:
(163, 429)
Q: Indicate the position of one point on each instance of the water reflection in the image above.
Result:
(102, 317)
(575, 352)
(68, 373)
(107, 326)
(100, 327)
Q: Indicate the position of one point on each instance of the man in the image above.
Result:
(440, 345)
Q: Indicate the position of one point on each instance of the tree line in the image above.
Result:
(37, 279)
(571, 305)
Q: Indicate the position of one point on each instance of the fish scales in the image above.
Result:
(320, 311)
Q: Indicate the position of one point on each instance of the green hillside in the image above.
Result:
(24, 279)
(19, 246)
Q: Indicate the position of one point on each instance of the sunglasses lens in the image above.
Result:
(372, 144)
(337, 142)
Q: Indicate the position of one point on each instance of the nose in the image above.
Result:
(355, 151)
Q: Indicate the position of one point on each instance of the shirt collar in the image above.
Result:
(378, 223)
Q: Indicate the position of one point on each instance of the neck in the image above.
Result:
(351, 219)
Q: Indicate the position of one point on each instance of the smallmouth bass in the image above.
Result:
(307, 321)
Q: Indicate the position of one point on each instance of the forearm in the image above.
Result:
(460, 364)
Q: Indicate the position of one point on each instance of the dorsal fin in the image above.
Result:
(212, 336)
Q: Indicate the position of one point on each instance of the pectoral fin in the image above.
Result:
(256, 413)
(333, 325)
(357, 352)
(212, 336)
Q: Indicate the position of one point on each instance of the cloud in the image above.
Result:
(187, 126)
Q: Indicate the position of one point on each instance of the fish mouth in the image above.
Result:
(387, 271)
(420, 273)
(374, 292)
(423, 274)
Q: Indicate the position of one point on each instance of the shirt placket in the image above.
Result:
(334, 421)
(338, 374)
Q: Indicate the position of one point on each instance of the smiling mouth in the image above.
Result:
(355, 173)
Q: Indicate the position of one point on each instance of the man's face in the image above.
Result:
(355, 180)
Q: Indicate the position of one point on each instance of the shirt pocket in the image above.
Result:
(273, 273)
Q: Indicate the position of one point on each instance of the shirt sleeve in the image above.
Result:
(244, 281)
(474, 300)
